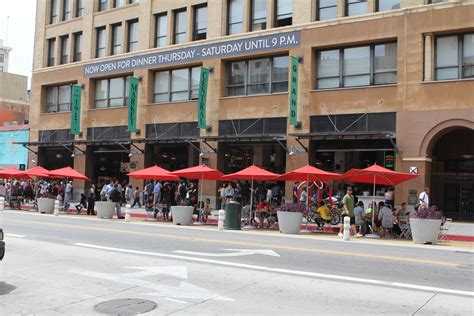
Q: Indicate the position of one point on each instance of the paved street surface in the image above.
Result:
(68, 265)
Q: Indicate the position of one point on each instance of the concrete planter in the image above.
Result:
(182, 215)
(46, 205)
(425, 230)
(289, 222)
(105, 209)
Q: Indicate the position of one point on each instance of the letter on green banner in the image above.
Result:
(294, 91)
(132, 104)
(203, 80)
(76, 109)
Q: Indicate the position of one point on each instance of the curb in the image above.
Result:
(464, 238)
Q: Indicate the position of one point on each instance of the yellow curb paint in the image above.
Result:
(247, 244)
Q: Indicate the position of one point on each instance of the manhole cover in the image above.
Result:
(126, 306)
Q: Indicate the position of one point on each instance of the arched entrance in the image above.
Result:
(452, 172)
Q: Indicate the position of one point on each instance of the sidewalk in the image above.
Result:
(462, 232)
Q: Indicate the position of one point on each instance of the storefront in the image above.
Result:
(55, 149)
(172, 146)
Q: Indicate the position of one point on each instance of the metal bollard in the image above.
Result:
(56, 208)
(127, 212)
(220, 220)
(2, 203)
(347, 228)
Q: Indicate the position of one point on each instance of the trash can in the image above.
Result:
(233, 211)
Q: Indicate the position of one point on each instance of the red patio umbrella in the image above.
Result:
(37, 172)
(201, 172)
(377, 175)
(68, 173)
(153, 173)
(309, 173)
(252, 173)
(10, 173)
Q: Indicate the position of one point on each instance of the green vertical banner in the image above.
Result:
(132, 104)
(294, 91)
(389, 160)
(76, 91)
(203, 80)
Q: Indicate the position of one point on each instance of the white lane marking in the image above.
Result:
(15, 235)
(178, 272)
(176, 301)
(286, 271)
(183, 291)
(236, 253)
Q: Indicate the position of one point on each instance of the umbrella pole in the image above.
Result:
(307, 230)
(249, 225)
(201, 202)
(373, 234)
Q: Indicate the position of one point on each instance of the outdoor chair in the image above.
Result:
(406, 231)
(445, 226)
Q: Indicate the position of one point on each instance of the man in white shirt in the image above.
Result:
(424, 198)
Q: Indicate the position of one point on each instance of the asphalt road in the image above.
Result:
(68, 264)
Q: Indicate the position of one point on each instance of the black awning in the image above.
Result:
(344, 136)
(81, 142)
(170, 140)
(243, 138)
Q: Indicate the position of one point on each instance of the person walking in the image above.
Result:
(116, 197)
(91, 200)
(424, 198)
(129, 194)
(136, 198)
(348, 205)
(157, 193)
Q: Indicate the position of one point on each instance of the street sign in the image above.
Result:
(76, 92)
(203, 80)
(132, 104)
(294, 91)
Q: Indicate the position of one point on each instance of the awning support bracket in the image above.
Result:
(137, 148)
(214, 150)
(301, 144)
(29, 149)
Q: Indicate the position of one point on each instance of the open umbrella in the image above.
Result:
(37, 172)
(68, 173)
(201, 172)
(252, 173)
(377, 175)
(153, 173)
(10, 173)
(309, 173)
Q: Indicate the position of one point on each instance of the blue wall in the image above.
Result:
(11, 154)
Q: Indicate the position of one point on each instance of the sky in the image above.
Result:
(20, 37)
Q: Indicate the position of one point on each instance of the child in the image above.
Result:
(206, 210)
(149, 205)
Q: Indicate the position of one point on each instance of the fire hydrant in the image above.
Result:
(220, 220)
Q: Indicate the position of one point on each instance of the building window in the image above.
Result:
(118, 3)
(387, 5)
(132, 45)
(64, 49)
(257, 76)
(51, 51)
(176, 85)
(58, 99)
(327, 9)
(356, 7)
(283, 12)
(179, 32)
(79, 8)
(100, 42)
(234, 17)
(111, 92)
(66, 10)
(258, 15)
(357, 66)
(116, 39)
(77, 47)
(435, 1)
(161, 27)
(53, 17)
(454, 57)
(200, 23)
(102, 5)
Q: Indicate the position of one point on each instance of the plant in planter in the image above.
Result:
(290, 217)
(426, 224)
